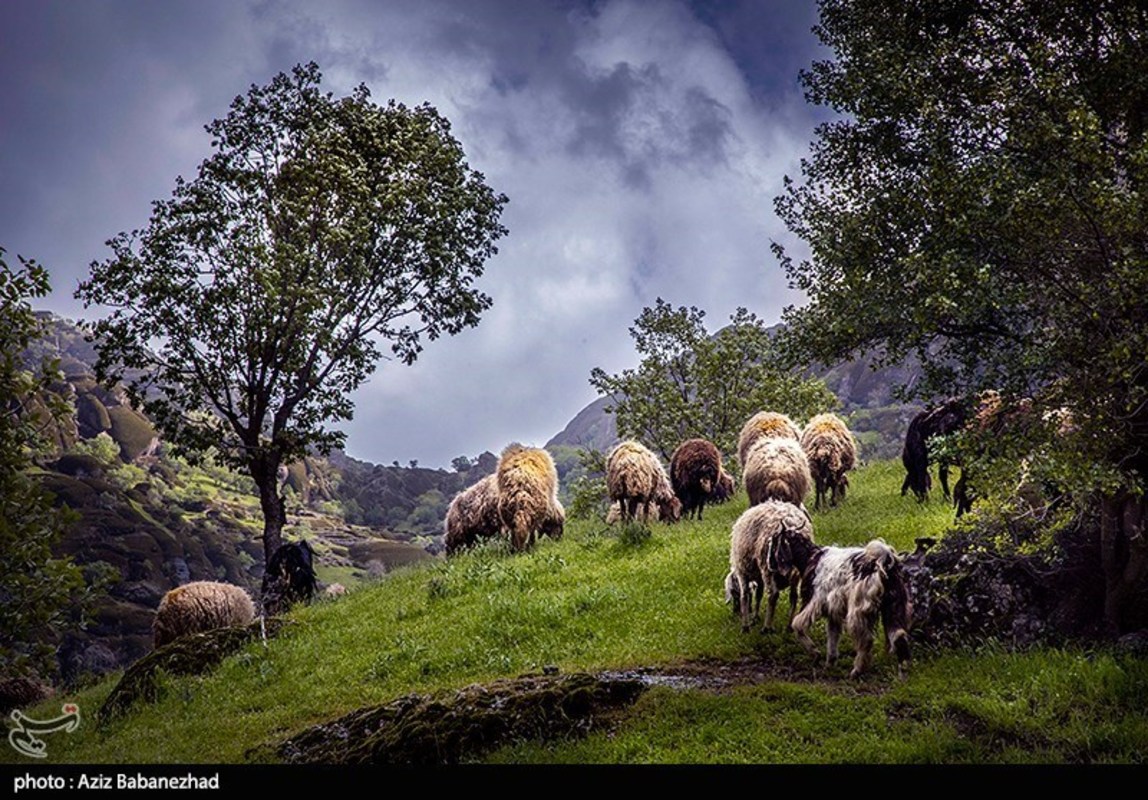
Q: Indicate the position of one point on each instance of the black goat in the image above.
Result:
(290, 578)
(941, 420)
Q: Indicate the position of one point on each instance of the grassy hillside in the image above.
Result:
(597, 601)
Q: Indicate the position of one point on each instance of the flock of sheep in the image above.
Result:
(771, 547)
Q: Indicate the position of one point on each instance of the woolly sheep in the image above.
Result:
(764, 425)
(696, 475)
(832, 452)
(762, 559)
(634, 476)
(614, 515)
(527, 483)
(472, 515)
(852, 587)
(201, 606)
(777, 469)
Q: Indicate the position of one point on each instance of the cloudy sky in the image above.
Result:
(640, 144)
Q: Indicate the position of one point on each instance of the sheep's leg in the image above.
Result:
(646, 511)
(631, 507)
(833, 636)
(771, 607)
(943, 472)
(748, 611)
(792, 603)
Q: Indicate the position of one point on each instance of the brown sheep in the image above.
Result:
(201, 606)
(634, 476)
(472, 515)
(696, 475)
(764, 424)
(832, 452)
(777, 469)
(527, 483)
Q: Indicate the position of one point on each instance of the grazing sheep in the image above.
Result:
(334, 590)
(832, 452)
(527, 484)
(290, 577)
(768, 543)
(941, 420)
(696, 475)
(724, 490)
(777, 469)
(852, 587)
(472, 515)
(201, 606)
(634, 476)
(614, 515)
(764, 425)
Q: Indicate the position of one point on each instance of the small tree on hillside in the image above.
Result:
(251, 305)
(691, 384)
(40, 594)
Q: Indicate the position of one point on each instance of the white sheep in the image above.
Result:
(764, 425)
(767, 543)
(201, 606)
(528, 505)
(832, 452)
(777, 469)
(635, 476)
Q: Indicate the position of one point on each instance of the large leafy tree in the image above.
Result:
(691, 384)
(254, 302)
(40, 594)
(982, 202)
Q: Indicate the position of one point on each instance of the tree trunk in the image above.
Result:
(265, 472)
(1124, 559)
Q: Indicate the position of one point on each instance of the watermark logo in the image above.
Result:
(23, 736)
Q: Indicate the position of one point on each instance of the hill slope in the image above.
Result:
(598, 600)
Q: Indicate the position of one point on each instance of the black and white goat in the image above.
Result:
(852, 587)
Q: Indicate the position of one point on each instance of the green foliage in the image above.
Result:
(461, 464)
(40, 595)
(252, 305)
(101, 447)
(691, 384)
(982, 203)
(587, 497)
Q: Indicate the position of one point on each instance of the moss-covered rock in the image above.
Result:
(78, 465)
(92, 416)
(194, 654)
(451, 727)
(132, 432)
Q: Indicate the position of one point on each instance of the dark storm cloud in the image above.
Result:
(641, 144)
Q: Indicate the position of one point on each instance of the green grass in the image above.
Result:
(594, 601)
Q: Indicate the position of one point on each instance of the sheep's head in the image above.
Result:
(669, 507)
